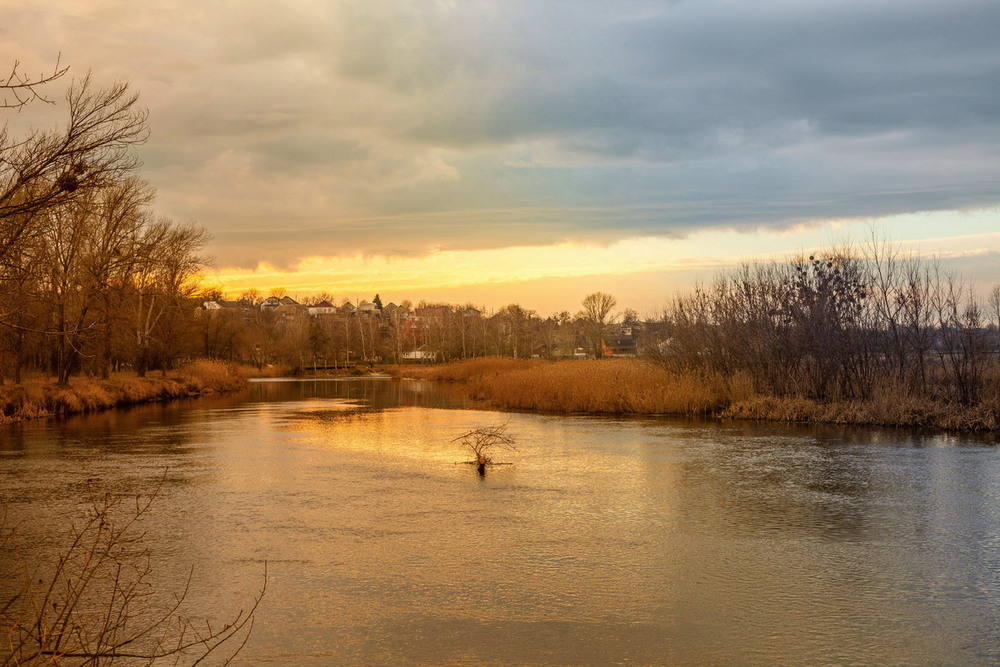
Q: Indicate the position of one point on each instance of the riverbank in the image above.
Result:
(635, 386)
(36, 399)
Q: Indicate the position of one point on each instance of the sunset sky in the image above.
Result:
(533, 151)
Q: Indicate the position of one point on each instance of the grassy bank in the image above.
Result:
(634, 386)
(36, 399)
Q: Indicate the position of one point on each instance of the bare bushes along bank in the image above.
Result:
(643, 387)
(33, 400)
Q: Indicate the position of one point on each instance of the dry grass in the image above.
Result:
(633, 386)
(608, 386)
(205, 376)
(36, 399)
(890, 406)
(461, 371)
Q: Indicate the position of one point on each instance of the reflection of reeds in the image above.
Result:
(28, 401)
(635, 386)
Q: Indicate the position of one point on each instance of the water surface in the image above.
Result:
(607, 541)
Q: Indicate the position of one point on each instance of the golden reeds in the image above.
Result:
(460, 371)
(887, 407)
(635, 386)
(608, 386)
(19, 402)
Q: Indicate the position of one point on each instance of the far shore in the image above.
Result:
(606, 386)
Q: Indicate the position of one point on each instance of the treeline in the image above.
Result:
(305, 336)
(848, 324)
(90, 278)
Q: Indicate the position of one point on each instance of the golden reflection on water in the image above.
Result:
(606, 541)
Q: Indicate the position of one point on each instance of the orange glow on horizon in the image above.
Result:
(642, 272)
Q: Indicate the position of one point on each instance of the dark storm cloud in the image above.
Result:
(678, 79)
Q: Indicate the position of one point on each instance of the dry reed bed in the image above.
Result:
(634, 386)
(608, 386)
(461, 371)
(31, 401)
(886, 409)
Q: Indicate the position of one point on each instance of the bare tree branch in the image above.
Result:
(483, 441)
(24, 89)
(90, 607)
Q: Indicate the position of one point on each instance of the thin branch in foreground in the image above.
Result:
(96, 604)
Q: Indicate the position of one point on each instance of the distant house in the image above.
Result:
(417, 356)
(273, 302)
(430, 312)
(289, 311)
(367, 308)
(620, 345)
(227, 308)
(322, 308)
(220, 305)
(347, 309)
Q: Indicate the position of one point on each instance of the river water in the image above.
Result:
(606, 541)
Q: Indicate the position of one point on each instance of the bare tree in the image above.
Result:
(50, 168)
(595, 318)
(513, 330)
(484, 441)
(160, 283)
(963, 345)
(112, 255)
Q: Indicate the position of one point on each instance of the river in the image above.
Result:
(606, 541)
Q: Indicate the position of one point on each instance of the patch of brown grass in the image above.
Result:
(31, 401)
(607, 386)
(206, 376)
(890, 406)
(635, 386)
(460, 371)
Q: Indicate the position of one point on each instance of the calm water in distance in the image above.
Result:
(608, 541)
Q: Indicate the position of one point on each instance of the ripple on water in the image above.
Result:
(607, 541)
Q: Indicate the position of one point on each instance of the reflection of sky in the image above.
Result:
(450, 148)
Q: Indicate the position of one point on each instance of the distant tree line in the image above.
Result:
(304, 336)
(843, 324)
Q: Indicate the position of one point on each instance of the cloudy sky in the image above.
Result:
(532, 151)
